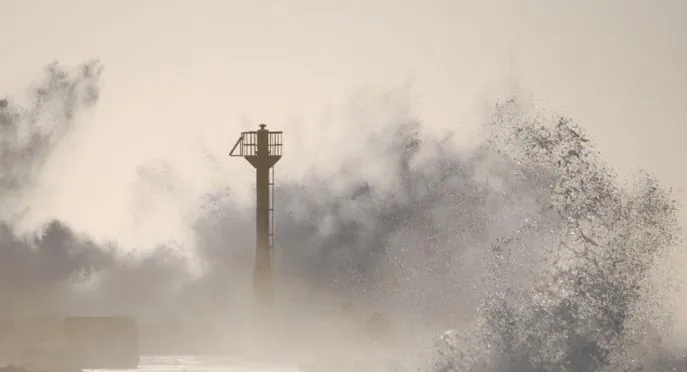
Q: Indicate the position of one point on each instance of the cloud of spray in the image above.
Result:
(29, 133)
(35, 266)
(54, 269)
(526, 242)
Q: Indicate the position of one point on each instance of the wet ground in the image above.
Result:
(206, 364)
(237, 364)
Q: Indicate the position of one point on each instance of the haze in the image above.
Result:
(182, 79)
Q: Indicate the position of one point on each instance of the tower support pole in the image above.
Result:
(263, 278)
(262, 149)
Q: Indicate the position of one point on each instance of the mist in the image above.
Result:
(527, 227)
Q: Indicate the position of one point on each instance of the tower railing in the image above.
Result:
(247, 144)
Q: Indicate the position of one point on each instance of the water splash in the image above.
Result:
(526, 244)
(590, 308)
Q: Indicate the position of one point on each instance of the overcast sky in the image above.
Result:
(181, 76)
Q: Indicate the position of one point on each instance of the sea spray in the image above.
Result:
(525, 244)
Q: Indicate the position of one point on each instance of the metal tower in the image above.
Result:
(262, 148)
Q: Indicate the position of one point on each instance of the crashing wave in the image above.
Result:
(592, 306)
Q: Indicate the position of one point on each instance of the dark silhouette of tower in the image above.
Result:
(262, 148)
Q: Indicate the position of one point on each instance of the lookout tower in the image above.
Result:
(262, 149)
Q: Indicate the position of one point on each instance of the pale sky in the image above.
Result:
(181, 76)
